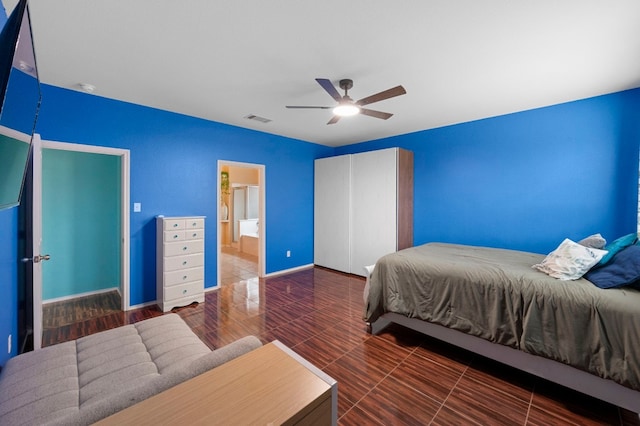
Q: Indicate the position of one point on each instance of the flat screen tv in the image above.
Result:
(19, 103)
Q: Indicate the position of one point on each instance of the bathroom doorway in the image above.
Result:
(241, 212)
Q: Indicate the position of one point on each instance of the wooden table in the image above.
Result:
(271, 385)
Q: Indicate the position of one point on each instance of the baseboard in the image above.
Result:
(288, 271)
(75, 296)
(142, 305)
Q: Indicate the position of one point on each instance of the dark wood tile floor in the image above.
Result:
(398, 377)
(57, 314)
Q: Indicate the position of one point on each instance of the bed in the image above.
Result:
(492, 302)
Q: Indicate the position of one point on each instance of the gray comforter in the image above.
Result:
(496, 295)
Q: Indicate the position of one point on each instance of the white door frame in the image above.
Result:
(262, 232)
(124, 155)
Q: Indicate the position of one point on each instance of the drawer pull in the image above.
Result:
(184, 248)
(194, 224)
(184, 277)
(184, 262)
(175, 236)
(194, 235)
(184, 291)
(175, 225)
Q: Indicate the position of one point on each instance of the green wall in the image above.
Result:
(81, 226)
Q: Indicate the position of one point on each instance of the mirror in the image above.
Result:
(20, 100)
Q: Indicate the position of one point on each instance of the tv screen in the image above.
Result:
(19, 103)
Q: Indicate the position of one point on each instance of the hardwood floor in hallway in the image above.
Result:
(236, 266)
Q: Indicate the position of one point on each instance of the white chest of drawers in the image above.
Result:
(180, 261)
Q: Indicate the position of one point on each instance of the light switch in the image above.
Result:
(137, 207)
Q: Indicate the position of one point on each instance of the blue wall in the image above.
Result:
(174, 173)
(527, 180)
(8, 281)
(8, 268)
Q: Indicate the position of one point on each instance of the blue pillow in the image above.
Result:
(622, 270)
(616, 246)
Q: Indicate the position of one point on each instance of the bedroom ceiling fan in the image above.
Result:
(347, 106)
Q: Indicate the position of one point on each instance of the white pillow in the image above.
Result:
(570, 260)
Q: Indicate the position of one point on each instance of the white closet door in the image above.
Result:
(373, 207)
(331, 212)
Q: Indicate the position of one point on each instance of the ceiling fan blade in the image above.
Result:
(376, 114)
(308, 107)
(328, 86)
(381, 96)
(334, 119)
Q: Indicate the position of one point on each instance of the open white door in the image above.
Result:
(36, 232)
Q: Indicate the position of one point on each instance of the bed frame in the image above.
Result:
(554, 371)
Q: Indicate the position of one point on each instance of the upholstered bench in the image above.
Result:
(85, 380)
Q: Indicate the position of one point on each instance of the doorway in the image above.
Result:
(80, 204)
(241, 213)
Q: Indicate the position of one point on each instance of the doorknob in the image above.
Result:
(36, 259)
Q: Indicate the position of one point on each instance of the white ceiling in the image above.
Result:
(459, 60)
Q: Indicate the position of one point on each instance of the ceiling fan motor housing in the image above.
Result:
(346, 84)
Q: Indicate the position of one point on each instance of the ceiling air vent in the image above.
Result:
(257, 118)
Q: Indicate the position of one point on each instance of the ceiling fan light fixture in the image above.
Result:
(346, 110)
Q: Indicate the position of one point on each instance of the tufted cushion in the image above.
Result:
(39, 383)
(88, 379)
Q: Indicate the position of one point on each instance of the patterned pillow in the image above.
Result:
(569, 261)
